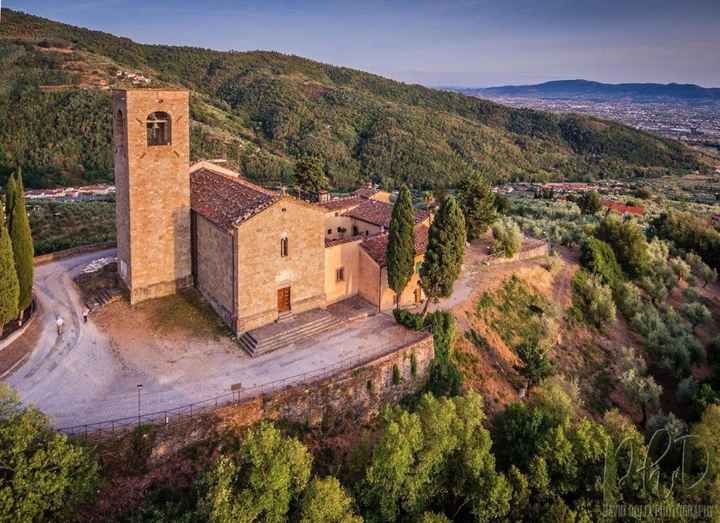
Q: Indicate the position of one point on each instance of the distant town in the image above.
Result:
(696, 123)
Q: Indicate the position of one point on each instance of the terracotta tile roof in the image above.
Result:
(621, 208)
(227, 200)
(340, 204)
(377, 245)
(379, 213)
(366, 192)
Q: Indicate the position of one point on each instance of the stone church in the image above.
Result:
(257, 256)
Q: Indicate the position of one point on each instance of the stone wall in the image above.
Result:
(360, 393)
(262, 270)
(214, 266)
(531, 249)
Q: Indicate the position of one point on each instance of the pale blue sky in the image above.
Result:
(454, 42)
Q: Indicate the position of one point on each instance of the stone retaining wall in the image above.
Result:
(83, 249)
(529, 252)
(360, 393)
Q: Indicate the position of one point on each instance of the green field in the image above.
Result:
(62, 225)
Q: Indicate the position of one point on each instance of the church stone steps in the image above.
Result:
(255, 347)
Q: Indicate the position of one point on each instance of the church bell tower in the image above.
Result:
(151, 142)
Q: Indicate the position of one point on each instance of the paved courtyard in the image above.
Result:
(91, 372)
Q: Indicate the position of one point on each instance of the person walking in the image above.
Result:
(59, 323)
(85, 314)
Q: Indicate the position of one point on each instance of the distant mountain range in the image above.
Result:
(594, 90)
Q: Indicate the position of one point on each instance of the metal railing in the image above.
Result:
(187, 412)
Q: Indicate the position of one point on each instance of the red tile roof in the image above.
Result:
(227, 200)
(377, 245)
(379, 213)
(621, 208)
(366, 192)
(340, 204)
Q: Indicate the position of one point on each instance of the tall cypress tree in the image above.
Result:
(22, 243)
(445, 251)
(9, 286)
(401, 243)
(478, 204)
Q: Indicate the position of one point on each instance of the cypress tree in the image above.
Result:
(445, 251)
(9, 286)
(22, 243)
(401, 243)
(478, 204)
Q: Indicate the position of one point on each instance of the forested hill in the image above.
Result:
(262, 110)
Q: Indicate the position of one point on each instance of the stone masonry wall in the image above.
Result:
(360, 393)
(214, 278)
(262, 271)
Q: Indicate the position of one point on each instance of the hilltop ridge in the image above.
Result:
(262, 110)
(587, 88)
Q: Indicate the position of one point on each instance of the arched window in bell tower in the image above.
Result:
(158, 129)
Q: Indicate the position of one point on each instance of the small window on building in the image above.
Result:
(158, 129)
(283, 247)
(340, 274)
(329, 231)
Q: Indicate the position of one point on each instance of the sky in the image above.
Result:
(434, 42)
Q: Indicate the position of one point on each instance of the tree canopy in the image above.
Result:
(444, 255)
(477, 202)
(401, 243)
(43, 476)
(21, 237)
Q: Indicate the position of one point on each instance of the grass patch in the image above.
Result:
(186, 312)
(517, 313)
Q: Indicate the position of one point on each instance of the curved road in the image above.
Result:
(85, 376)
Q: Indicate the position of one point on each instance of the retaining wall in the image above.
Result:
(359, 393)
(57, 255)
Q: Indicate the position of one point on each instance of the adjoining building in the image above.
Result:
(256, 255)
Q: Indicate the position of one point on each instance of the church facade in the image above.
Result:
(257, 256)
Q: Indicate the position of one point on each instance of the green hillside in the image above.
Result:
(262, 110)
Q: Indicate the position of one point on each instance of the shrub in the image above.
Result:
(589, 202)
(598, 257)
(686, 390)
(691, 294)
(508, 238)
(592, 301)
(700, 269)
(690, 232)
(696, 313)
(536, 366)
(627, 241)
(444, 378)
(396, 378)
(409, 319)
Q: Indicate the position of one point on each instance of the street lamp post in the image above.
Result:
(139, 389)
